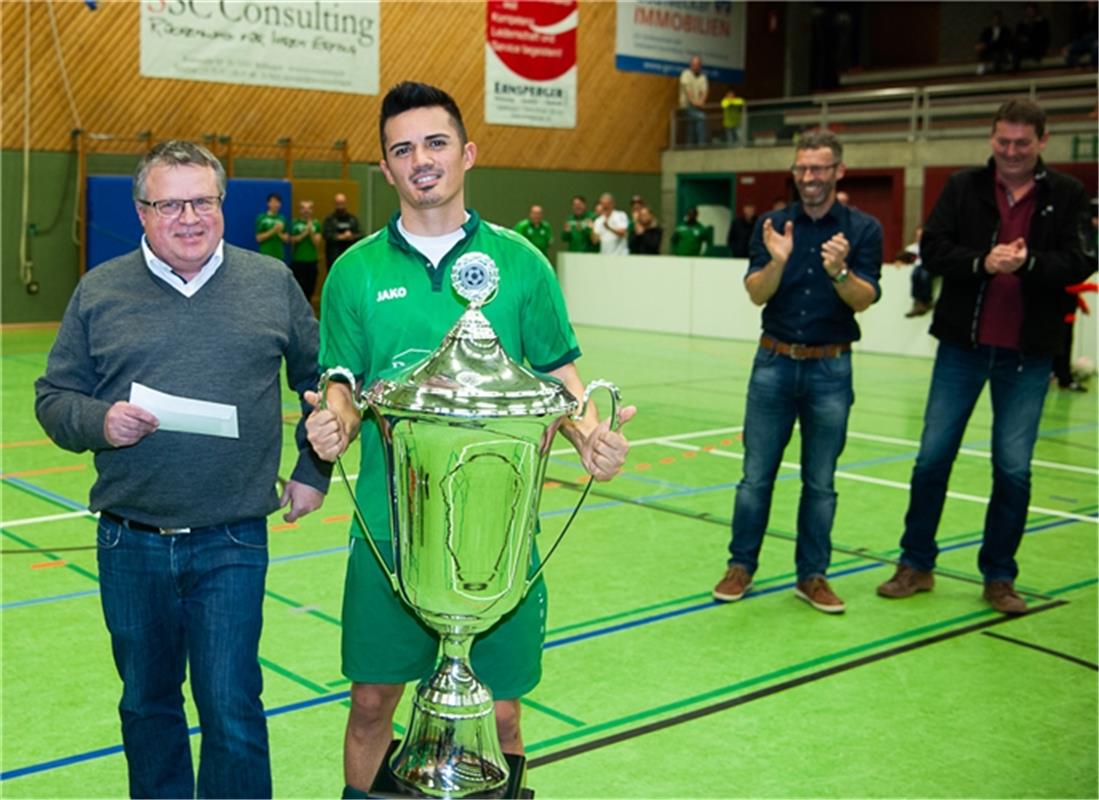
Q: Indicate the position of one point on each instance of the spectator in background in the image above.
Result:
(536, 230)
(611, 228)
(305, 238)
(1031, 36)
(740, 231)
(691, 236)
(922, 284)
(576, 233)
(1084, 45)
(271, 229)
(341, 230)
(693, 91)
(645, 233)
(637, 202)
(732, 113)
(843, 198)
(994, 48)
(778, 204)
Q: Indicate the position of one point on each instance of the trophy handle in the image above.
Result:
(322, 389)
(616, 423)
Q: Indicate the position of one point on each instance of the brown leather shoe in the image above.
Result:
(906, 582)
(1001, 595)
(817, 593)
(736, 583)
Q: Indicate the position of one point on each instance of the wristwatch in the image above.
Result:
(840, 276)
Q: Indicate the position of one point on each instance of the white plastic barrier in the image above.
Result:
(706, 297)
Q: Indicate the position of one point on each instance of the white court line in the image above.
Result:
(664, 439)
(852, 476)
(968, 451)
(11, 523)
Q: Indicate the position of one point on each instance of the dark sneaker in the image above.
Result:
(906, 582)
(817, 593)
(736, 583)
(1001, 595)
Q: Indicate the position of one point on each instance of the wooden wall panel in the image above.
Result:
(621, 117)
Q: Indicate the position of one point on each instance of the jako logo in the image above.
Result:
(392, 294)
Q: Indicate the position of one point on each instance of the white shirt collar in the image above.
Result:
(186, 288)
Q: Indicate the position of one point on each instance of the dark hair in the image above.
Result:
(274, 196)
(176, 153)
(408, 95)
(581, 198)
(1022, 112)
(815, 140)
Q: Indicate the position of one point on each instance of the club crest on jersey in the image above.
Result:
(391, 294)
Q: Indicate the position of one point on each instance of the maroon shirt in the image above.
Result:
(1002, 311)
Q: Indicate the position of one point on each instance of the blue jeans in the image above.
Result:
(694, 125)
(188, 601)
(818, 394)
(1018, 386)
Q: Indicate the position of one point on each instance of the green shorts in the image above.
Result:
(384, 641)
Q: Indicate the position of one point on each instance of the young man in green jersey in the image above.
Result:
(305, 238)
(577, 229)
(271, 229)
(690, 235)
(387, 303)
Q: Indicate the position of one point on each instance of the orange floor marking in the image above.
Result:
(726, 442)
(30, 443)
(552, 485)
(668, 460)
(285, 526)
(337, 518)
(26, 473)
(49, 564)
(690, 454)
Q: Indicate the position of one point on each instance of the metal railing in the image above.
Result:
(901, 113)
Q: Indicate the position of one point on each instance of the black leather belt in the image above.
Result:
(134, 525)
(804, 352)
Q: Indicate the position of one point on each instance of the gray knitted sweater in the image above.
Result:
(225, 344)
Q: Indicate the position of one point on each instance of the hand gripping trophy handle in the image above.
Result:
(347, 377)
(616, 423)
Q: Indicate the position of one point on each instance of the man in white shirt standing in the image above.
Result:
(610, 228)
(693, 90)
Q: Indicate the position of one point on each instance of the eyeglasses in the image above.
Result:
(813, 169)
(171, 209)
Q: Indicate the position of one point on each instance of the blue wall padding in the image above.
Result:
(114, 229)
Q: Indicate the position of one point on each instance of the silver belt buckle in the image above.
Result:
(797, 351)
(173, 531)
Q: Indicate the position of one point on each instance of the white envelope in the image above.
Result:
(185, 415)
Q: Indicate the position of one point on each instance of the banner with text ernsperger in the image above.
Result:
(332, 46)
(530, 63)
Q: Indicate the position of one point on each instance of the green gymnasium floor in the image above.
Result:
(650, 689)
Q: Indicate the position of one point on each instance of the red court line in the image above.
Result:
(49, 564)
(44, 471)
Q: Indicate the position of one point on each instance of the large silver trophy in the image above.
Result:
(467, 433)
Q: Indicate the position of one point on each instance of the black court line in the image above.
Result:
(759, 694)
(713, 519)
(1081, 661)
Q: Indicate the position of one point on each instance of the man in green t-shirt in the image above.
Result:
(386, 303)
(691, 235)
(271, 229)
(577, 230)
(305, 237)
(536, 230)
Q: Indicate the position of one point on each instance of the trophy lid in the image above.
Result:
(470, 374)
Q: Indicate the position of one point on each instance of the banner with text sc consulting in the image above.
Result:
(661, 37)
(331, 46)
(530, 63)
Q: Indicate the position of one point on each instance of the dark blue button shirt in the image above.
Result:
(806, 309)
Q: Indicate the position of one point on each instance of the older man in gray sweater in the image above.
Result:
(182, 536)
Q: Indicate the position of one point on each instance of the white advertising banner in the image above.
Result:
(661, 37)
(530, 63)
(325, 45)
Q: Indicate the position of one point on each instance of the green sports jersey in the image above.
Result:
(577, 233)
(540, 235)
(271, 246)
(687, 240)
(385, 307)
(304, 250)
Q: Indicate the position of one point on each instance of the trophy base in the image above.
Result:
(386, 786)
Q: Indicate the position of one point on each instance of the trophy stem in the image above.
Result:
(451, 748)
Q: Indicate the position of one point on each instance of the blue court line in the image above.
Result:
(29, 487)
(102, 752)
(48, 599)
(338, 696)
